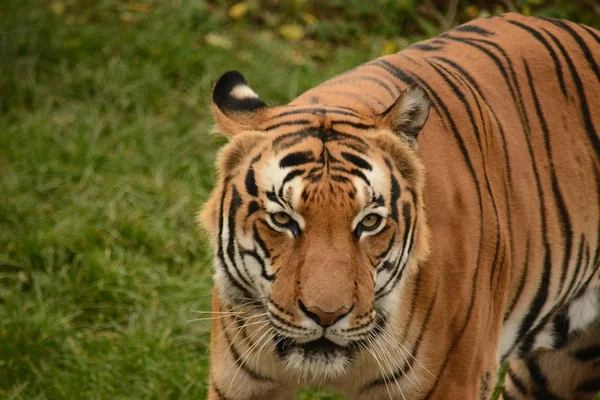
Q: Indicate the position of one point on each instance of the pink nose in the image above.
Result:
(324, 318)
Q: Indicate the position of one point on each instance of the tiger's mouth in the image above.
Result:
(320, 358)
(321, 346)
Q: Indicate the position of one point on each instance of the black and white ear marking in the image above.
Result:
(235, 105)
(408, 114)
(232, 93)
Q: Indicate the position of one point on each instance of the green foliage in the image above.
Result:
(105, 158)
(352, 21)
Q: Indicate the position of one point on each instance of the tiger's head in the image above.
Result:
(317, 218)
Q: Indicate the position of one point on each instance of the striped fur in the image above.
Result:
(403, 228)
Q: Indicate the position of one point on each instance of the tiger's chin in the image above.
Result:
(318, 360)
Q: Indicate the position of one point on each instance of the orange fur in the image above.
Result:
(497, 211)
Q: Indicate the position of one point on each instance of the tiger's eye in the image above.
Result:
(370, 221)
(281, 218)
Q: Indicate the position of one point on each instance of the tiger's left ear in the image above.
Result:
(236, 107)
(408, 114)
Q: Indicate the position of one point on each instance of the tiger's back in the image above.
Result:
(510, 263)
(515, 111)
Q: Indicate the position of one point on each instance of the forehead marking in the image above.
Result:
(297, 158)
(357, 160)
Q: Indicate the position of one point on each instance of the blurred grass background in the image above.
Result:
(105, 157)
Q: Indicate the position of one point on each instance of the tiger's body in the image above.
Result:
(361, 248)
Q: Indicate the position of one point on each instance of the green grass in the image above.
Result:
(105, 157)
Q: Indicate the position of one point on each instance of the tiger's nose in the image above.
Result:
(322, 317)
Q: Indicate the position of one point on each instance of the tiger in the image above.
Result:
(407, 227)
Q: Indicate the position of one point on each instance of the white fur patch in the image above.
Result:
(509, 334)
(243, 92)
(584, 311)
(378, 177)
(316, 367)
(544, 340)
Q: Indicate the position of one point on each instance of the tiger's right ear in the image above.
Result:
(408, 114)
(236, 107)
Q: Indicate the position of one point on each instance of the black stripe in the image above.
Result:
(580, 287)
(409, 229)
(339, 178)
(592, 276)
(585, 111)
(339, 136)
(218, 391)
(507, 164)
(250, 182)
(507, 396)
(484, 386)
(565, 220)
(592, 32)
(553, 55)
(296, 136)
(579, 262)
(239, 321)
(588, 354)
(589, 386)
(360, 98)
(220, 252)
(354, 146)
(413, 304)
(361, 175)
(280, 308)
(522, 280)
(386, 266)
(425, 47)
(293, 122)
(473, 29)
(234, 206)
(409, 78)
(355, 78)
(514, 92)
(517, 382)
(357, 125)
(238, 360)
(291, 176)
(474, 288)
(251, 186)
(406, 78)
(297, 158)
(582, 45)
(444, 73)
(356, 160)
(542, 293)
(287, 324)
(261, 243)
(395, 191)
(539, 380)
(561, 326)
(321, 110)
(390, 245)
(272, 195)
(263, 268)
(597, 253)
(252, 208)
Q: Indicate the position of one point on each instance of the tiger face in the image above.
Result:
(316, 224)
